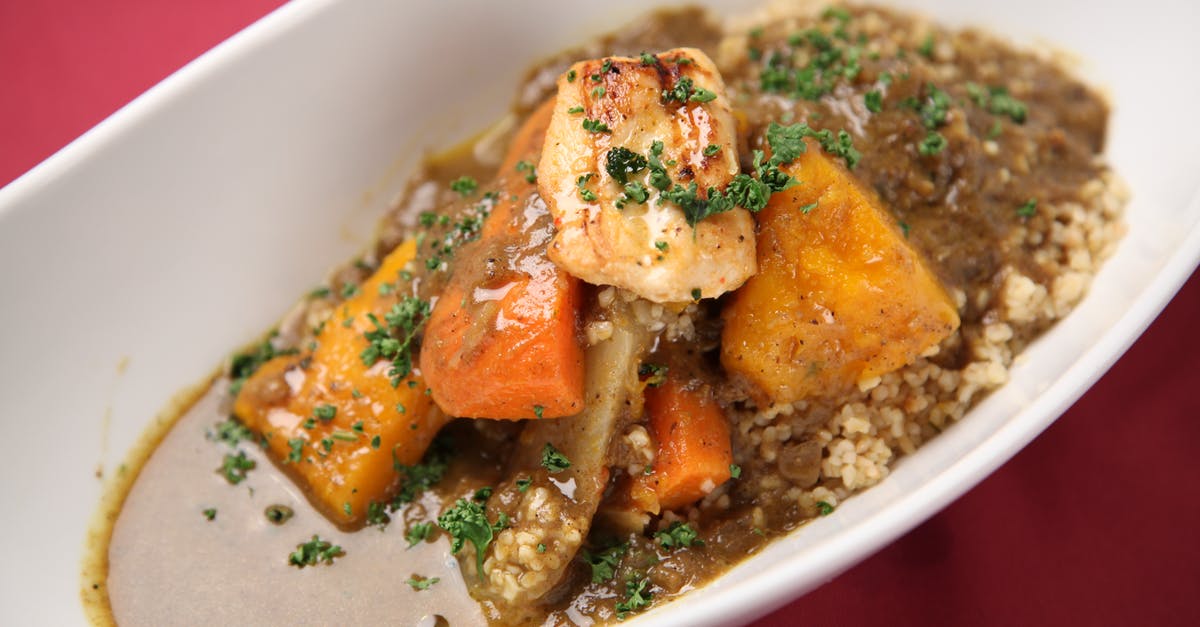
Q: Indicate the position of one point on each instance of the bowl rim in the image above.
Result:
(780, 583)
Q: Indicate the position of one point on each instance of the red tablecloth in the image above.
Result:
(1097, 522)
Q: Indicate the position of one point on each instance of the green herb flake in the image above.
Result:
(467, 522)
(483, 494)
(661, 246)
(314, 552)
(541, 547)
(711, 150)
(421, 583)
(735, 471)
(696, 293)
(571, 76)
(598, 91)
(637, 598)
(807, 208)
(523, 484)
(325, 412)
(394, 341)
(653, 374)
(375, 442)
(210, 514)
(648, 59)
(554, 461)
(418, 533)
(464, 185)
(1028, 209)
(621, 162)
(235, 467)
(824, 509)
(603, 562)
(232, 431)
(926, 47)
(933, 144)
(595, 126)
(574, 110)
(581, 183)
(678, 535)
(538, 410)
(296, 452)
(873, 101)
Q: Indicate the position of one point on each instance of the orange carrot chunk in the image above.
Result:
(501, 341)
(694, 451)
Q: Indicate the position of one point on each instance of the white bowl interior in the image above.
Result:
(132, 262)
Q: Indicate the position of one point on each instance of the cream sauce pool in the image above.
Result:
(169, 564)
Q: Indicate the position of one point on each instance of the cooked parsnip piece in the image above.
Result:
(840, 297)
(624, 131)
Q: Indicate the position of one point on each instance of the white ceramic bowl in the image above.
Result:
(133, 261)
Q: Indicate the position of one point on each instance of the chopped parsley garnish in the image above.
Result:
(685, 91)
(655, 374)
(604, 561)
(347, 508)
(678, 535)
(934, 108)
(571, 76)
(735, 471)
(394, 341)
(598, 91)
(824, 509)
(278, 514)
(296, 452)
(538, 410)
(210, 514)
(325, 412)
(622, 162)
(586, 194)
(467, 522)
(635, 192)
(554, 461)
(934, 143)
(245, 364)
(523, 484)
(873, 100)
(711, 150)
(575, 109)
(807, 208)
(418, 533)
(996, 101)
(377, 514)
(319, 292)
(421, 583)
(648, 59)
(541, 547)
(904, 229)
(1028, 209)
(375, 442)
(926, 47)
(349, 290)
(696, 293)
(314, 552)
(232, 431)
(483, 494)
(464, 185)
(235, 467)
(661, 246)
(525, 166)
(659, 178)
(420, 477)
(595, 126)
(637, 598)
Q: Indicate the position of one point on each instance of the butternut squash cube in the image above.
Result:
(840, 296)
(335, 424)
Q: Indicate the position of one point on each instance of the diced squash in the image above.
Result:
(501, 341)
(840, 296)
(335, 424)
(694, 452)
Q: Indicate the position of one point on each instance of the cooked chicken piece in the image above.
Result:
(624, 131)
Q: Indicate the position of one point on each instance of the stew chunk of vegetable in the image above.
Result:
(694, 452)
(840, 296)
(501, 342)
(337, 419)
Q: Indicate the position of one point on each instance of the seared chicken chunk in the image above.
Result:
(634, 148)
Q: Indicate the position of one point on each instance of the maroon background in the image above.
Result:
(1094, 523)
